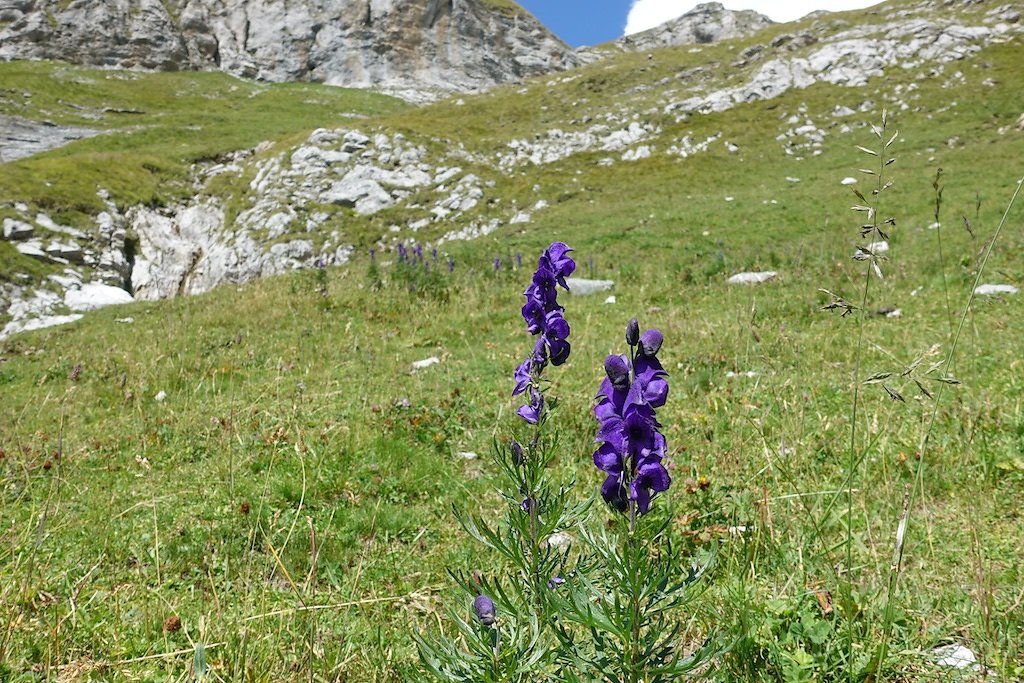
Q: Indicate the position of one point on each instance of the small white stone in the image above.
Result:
(425, 363)
(468, 455)
(955, 656)
(582, 287)
(610, 300)
(989, 290)
(560, 540)
(160, 397)
(752, 278)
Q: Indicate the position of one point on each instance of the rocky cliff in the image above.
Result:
(706, 23)
(412, 47)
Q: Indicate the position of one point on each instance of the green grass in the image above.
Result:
(156, 125)
(285, 417)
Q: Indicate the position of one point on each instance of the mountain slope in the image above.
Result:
(457, 170)
(413, 47)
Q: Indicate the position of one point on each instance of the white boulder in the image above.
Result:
(94, 295)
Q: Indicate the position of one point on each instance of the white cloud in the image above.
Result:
(645, 14)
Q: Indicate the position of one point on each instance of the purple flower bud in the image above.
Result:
(633, 332)
(484, 608)
(517, 454)
(554, 582)
(617, 368)
(650, 342)
(497, 263)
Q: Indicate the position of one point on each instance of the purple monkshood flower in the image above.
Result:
(543, 316)
(451, 265)
(532, 410)
(373, 255)
(632, 446)
(433, 254)
(484, 608)
(497, 263)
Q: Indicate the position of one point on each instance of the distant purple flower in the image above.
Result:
(373, 256)
(497, 263)
(554, 582)
(451, 265)
(632, 446)
(484, 608)
(403, 253)
(519, 259)
(433, 254)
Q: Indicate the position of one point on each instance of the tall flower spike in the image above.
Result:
(543, 317)
(632, 446)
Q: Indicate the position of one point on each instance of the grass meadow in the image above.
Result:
(283, 512)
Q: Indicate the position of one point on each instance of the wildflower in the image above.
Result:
(543, 317)
(497, 263)
(632, 445)
(531, 411)
(555, 581)
(451, 265)
(484, 608)
(373, 256)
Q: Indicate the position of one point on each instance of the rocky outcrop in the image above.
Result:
(22, 137)
(706, 23)
(850, 58)
(412, 47)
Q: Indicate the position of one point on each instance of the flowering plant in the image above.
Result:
(536, 510)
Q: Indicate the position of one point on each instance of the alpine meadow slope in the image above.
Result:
(254, 482)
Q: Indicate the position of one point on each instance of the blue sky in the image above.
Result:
(589, 22)
(581, 22)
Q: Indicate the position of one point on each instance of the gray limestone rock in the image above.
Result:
(17, 230)
(706, 23)
(94, 295)
(21, 137)
(415, 48)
